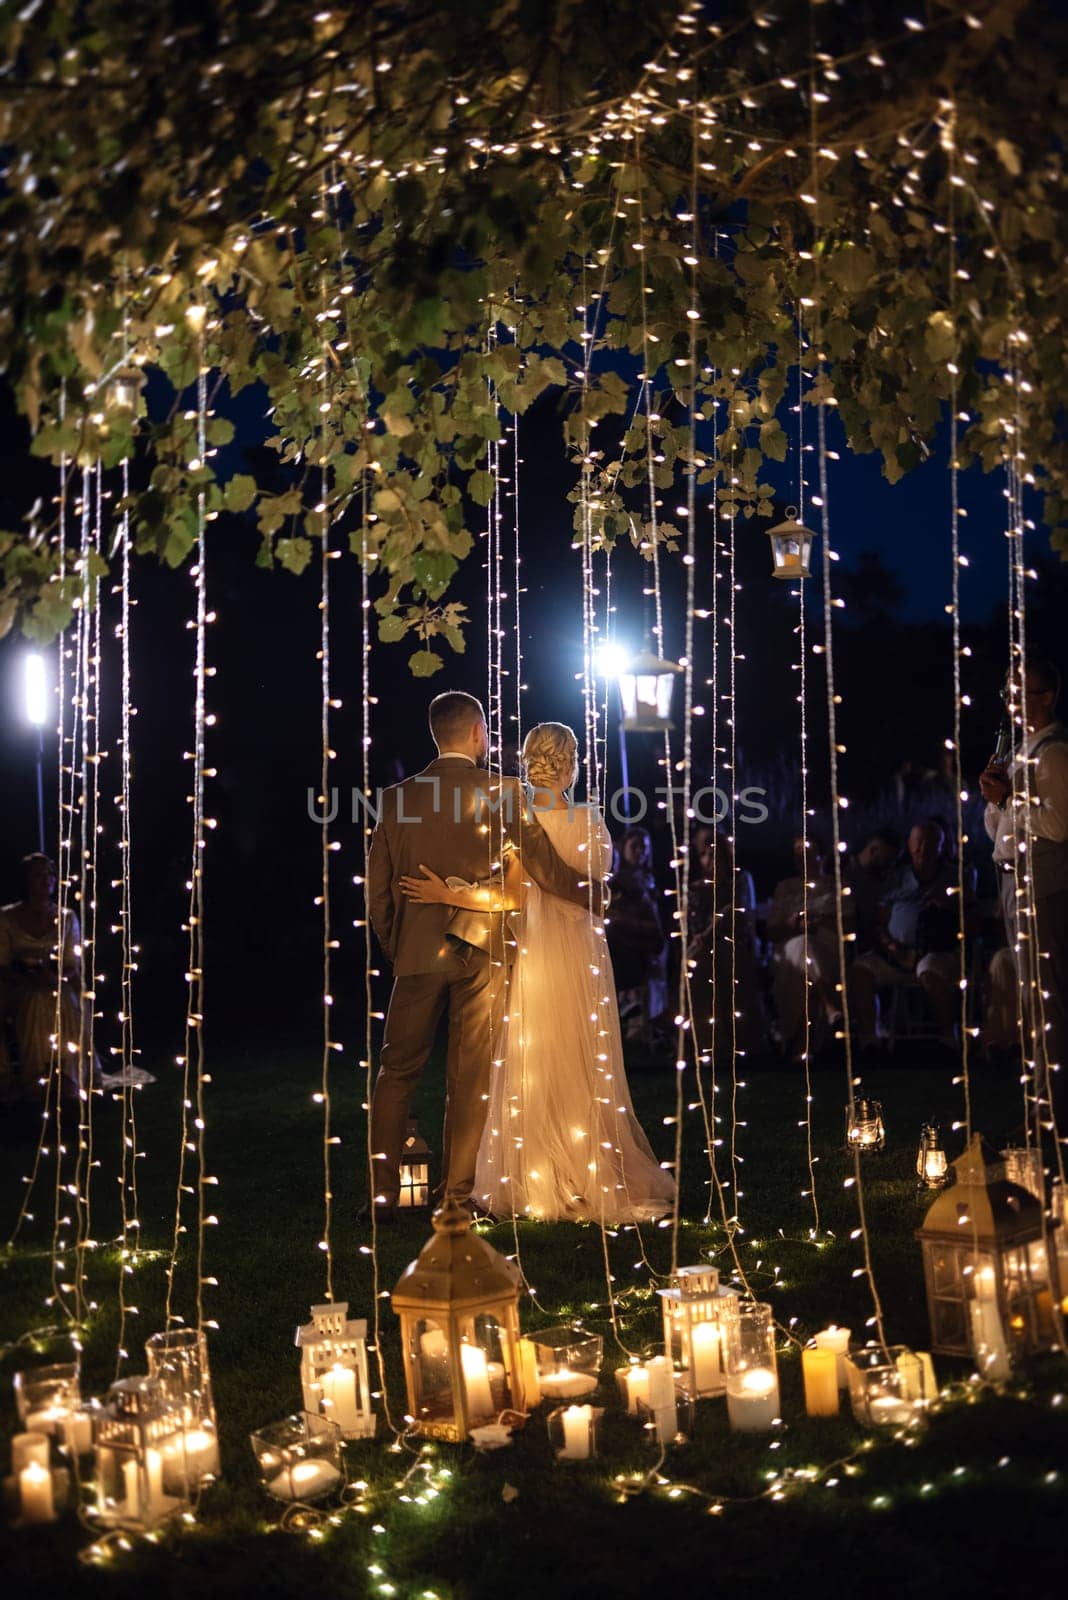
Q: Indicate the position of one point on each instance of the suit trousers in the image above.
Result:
(470, 988)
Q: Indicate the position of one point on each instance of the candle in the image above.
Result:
(576, 1421)
(567, 1385)
(988, 1340)
(752, 1400)
(192, 1457)
(27, 1448)
(78, 1431)
(132, 1481)
(339, 1397)
(48, 1419)
(495, 1374)
(528, 1367)
(705, 1342)
(476, 1382)
(154, 1468)
(661, 1383)
(307, 1480)
(820, 1371)
(637, 1382)
(836, 1339)
(985, 1285)
(889, 1411)
(35, 1494)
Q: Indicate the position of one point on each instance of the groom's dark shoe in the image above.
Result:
(384, 1214)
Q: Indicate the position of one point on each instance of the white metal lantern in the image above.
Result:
(124, 389)
(932, 1167)
(864, 1126)
(414, 1171)
(333, 1369)
(458, 1307)
(696, 1311)
(989, 1290)
(791, 547)
(179, 1359)
(645, 693)
(139, 1435)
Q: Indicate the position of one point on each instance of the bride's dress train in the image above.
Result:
(561, 1138)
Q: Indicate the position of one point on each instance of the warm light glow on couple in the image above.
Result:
(490, 910)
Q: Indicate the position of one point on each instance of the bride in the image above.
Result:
(561, 1139)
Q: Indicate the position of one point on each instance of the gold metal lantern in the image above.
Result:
(986, 1266)
(791, 547)
(458, 1305)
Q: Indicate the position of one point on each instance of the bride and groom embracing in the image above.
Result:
(488, 907)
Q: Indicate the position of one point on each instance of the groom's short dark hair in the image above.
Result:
(451, 716)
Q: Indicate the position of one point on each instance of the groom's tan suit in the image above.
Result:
(443, 960)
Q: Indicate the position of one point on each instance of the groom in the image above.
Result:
(453, 817)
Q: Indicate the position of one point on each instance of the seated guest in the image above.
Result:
(1001, 1023)
(33, 962)
(636, 940)
(865, 873)
(797, 939)
(916, 938)
(713, 961)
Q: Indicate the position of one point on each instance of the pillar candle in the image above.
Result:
(705, 1343)
(154, 1469)
(78, 1430)
(476, 1381)
(528, 1367)
(637, 1382)
(820, 1371)
(576, 1421)
(752, 1400)
(28, 1447)
(567, 1385)
(339, 1397)
(307, 1480)
(132, 1482)
(35, 1494)
(836, 1339)
(661, 1381)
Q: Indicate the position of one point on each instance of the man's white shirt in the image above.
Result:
(1049, 796)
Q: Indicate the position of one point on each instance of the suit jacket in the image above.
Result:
(454, 818)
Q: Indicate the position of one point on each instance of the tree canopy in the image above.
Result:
(407, 221)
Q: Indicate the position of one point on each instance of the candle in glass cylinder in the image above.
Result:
(27, 1448)
(49, 1419)
(576, 1421)
(476, 1381)
(35, 1494)
(753, 1400)
(836, 1339)
(820, 1371)
(339, 1397)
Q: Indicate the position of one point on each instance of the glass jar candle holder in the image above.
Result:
(573, 1431)
(299, 1458)
(568, 1361)
(47, 1397)
(179, 1360)
(670, 1423)
(888, 1388)
(752, 1372)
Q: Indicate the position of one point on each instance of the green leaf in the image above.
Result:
(240, 492)
(773, 441)
(424, 664)
(392, 628)
(293, 554)
(480, 487)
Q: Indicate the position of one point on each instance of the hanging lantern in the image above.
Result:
(696, 1311)
(791, 547)
(864, 1126)
(986, 1266)
(458, 1307)
(139, 1433)
(333, 1369)
(932, 1168)
(414, 1171)
(124, 389)
(179, 1359)
(645, 692)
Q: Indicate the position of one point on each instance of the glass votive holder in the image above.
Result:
(888, 1387)
(573, 1431)
(752, 1372)
(45, 1397)
(568, 1361)
(671, 1423)
(300, 1457)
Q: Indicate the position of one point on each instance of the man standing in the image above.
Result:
(1027, 819)
(454, 817)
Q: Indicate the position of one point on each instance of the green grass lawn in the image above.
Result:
(969, 1506)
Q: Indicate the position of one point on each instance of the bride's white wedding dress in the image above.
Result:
(561, 1139)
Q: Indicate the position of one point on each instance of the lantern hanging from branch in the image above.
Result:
(864, 1126)
(986, 1266)
(414, 1171)
(124, 389)
(179, 1359)
(645, 688)
(333, 1369)
(458, 1307)
(696, 1312)
(140, 1433)
(791, 547)
(932, 1168)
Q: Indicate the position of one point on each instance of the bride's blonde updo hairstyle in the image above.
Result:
(550, 756)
